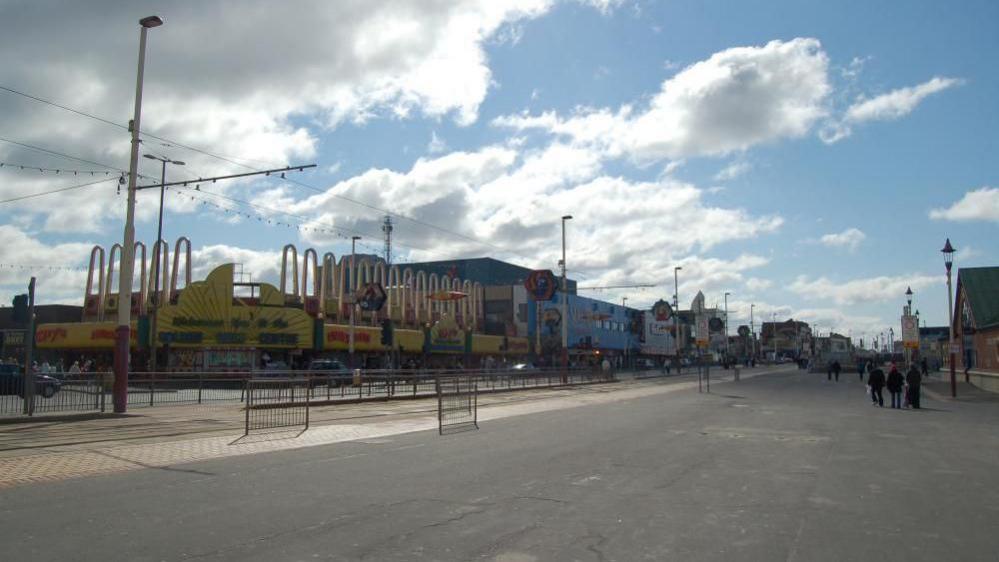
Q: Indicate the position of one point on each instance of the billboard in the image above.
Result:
(658, 337)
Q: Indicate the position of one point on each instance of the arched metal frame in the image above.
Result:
(327, 283)
(114, 256)
(296, 296)
(176, 266)
(142, 294)
(161, 252)
(89, 295)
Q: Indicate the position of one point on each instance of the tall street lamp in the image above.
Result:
(158, 252)
(565, 303)
(752, 329)
(676, 314)
(727, 348)
(121, 335)
(773, 333)
(353, 302)
(948, 252)
(908, 312)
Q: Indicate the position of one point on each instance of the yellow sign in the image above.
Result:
(79, 335)
(208, 314)
(494, 344)
(366, 338)
(447, 337)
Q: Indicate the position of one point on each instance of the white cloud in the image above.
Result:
(737, 98)
(733, 170)
(32, 257)
(262, 101)
(978, 205)
(873, 289)
(436, 144)
(849, 238)
(756, 284)
(885, 107)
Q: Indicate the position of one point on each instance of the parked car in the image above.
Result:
(273, 369)
(12, 382)
(332, 368)
(645, 363)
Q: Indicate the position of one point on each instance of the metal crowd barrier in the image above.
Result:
(457, 403)
(277, 403)
(92, 392)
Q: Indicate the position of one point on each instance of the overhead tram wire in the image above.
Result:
(67, 156)
(61, 189)
(312, 223)
(296, 182)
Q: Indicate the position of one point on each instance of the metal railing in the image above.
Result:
(92, 393)
(76, 393)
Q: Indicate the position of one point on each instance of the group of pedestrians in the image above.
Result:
(904, 390)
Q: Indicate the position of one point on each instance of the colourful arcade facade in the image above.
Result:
(221, 324)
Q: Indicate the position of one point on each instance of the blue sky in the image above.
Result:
(808, 157)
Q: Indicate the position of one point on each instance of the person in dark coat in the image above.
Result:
(836, 368)
(924, 367)
(913, 378)
(876, 380)
(895, 383)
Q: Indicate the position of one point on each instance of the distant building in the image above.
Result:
(976, 324)
(933, 344)
(793, 338)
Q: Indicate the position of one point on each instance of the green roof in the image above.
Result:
(981, 288)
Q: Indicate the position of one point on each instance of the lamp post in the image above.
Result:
(908, 312)
(676, 314)
(353, 302)
(121, 335)
(727, 347)
(158, 253)
(627, 341)
(752, 331)
(773, 333)
(565, 304)
(948, 252)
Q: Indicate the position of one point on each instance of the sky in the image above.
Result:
(807, 157)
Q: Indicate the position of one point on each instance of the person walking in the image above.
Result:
(914, 379)
(876, 380)
(924, 367)
(829, 370)
(836, 368)
(895, 382)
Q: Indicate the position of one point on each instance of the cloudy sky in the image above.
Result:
(809, 157)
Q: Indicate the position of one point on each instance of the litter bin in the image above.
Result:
(357, 377)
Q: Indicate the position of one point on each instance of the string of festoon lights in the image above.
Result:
(302, 225)
(14, 167)
(39, 267)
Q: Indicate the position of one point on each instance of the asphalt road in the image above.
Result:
(779, 467)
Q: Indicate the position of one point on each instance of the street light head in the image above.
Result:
(908, 292)
(178, 163)
(355, 237)
(567, 217)
(151, 21)
(948, 252)
(150, 156)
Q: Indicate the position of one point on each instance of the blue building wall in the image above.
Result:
(593, 324)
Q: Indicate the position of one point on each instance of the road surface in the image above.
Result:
(778, 467)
